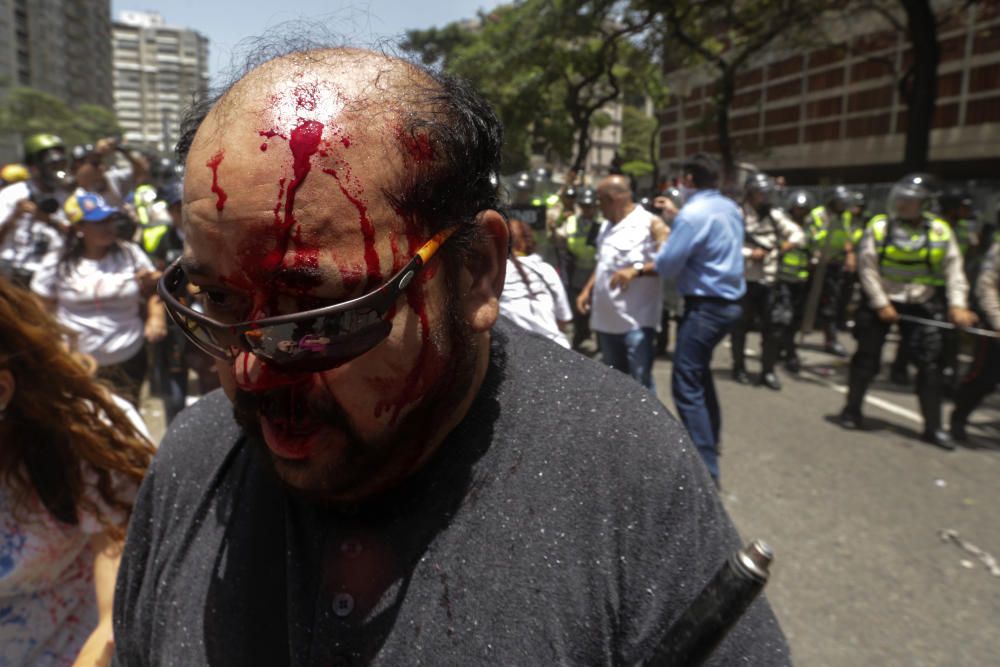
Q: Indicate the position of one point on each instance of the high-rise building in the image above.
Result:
(61, 47)
(158, 70)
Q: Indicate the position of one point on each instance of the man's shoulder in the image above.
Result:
(199, 439)
(570, 398)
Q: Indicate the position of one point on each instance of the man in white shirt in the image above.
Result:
(624, 300)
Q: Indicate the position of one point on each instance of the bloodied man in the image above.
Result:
(387, 477)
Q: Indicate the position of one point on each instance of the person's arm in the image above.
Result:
(871, 279)
(988, 287)
(156, 320)
(138, 163)
(957, 286)
(98, 648)
(583, 298)
(674, 254)
(791, 234)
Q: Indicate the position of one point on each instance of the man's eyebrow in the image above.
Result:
(298, 277)
(195, 269)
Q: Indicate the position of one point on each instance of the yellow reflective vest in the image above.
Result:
(911, 255)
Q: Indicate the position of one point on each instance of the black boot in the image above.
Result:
(740, 375)
(958, 433)
(770, 380)
(850, 419)
(793, 365)
(929, 396)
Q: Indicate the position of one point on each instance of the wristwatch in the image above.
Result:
(639, 267)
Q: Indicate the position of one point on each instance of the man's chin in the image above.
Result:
(310, 460)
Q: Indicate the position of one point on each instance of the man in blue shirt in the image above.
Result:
(704, 255)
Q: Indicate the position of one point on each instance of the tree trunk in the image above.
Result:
(922, 29)
(654, 157)
(724, 102)
(582, 142)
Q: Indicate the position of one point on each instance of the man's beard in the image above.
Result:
(398, 451)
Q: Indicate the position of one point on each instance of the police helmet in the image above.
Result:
(81, 152)
(800, 199)
(952, 198)
(858, 199)
(841, 195)
(920, 187)
(588, 197)
(172, 193)
(163, 169)
(570, 192)
(542, 174)
(523, 182)
(675, 196)
(759, 182)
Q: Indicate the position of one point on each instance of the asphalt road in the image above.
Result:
(861, 574)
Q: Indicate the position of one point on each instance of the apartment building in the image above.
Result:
(158, 70)
(61, 47)
(836, 114)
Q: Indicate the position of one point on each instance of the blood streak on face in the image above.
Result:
(213, 164)
(372, 263)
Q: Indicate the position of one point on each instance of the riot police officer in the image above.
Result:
(909, 265)
(793, 278)
(578, 237)
(830, 240)
(984, 374)
(768, 234)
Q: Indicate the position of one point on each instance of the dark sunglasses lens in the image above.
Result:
(315, 345)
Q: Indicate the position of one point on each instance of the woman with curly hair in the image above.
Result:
(71, 459)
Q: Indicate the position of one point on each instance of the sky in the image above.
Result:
(363, 22)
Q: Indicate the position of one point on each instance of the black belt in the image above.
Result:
(695, 298)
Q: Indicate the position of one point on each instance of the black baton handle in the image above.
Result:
(699, 630)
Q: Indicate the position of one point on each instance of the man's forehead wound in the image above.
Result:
(306, 113)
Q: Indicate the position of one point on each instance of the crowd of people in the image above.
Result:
(383, 437)
(784, 265)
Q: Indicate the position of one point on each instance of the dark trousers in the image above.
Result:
(798, 293)
(704, 324)
(832, 302)
(924, 347)
(770, 305)
(126, 377)
(982, 378)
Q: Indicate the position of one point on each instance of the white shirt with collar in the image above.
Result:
(620, 246)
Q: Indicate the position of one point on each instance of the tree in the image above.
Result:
(724, 36)
(28, 111)
(549, 67)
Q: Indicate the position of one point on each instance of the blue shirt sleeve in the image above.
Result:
(675, 252)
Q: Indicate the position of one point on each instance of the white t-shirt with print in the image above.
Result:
(48, 606)
(100, 300)
(620, 246)
(540, 304)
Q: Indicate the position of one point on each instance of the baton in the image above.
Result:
(948, 325)
(705, 623)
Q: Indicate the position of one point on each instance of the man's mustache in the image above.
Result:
(296, 402)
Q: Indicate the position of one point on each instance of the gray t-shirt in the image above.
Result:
(566, 520)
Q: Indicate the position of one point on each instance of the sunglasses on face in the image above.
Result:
(308, 341)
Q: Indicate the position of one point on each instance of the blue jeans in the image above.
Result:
(631, 353)
(705, 323)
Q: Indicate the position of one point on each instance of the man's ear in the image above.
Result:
(484, 272)
(7, 387)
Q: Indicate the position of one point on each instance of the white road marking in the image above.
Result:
(881, 403)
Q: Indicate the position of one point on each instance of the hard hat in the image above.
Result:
(954, 197)
(921, 187)
(37, 144)
(14, 173)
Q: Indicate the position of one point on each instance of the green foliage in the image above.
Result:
(28, 111)
(637, 168)
(547, 66)
(637, 129)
